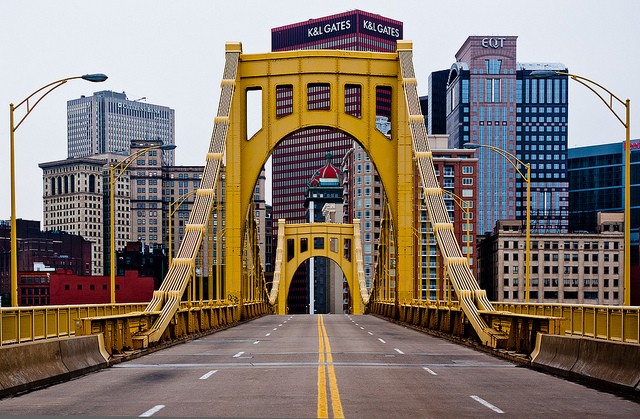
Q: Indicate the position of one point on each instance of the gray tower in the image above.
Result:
(108, 122)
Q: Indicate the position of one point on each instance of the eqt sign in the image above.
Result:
(494, 43)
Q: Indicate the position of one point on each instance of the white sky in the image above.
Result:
(172, 53)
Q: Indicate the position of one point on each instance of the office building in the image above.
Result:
(179, 186)
(146, 175)
(364, 199)
(261, 216)
(73, 194)
(108, 122)
(492, 100)
(541, 141)
(596, 184)
(573, 268)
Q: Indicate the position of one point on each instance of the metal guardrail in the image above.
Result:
(615, 323)
(26, 324)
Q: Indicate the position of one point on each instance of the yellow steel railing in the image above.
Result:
(616, 323)
(25, 324)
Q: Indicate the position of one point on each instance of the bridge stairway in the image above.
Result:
(471, 297)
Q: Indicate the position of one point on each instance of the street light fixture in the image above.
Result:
(609, 99)
(37, 96)
(173, 207)
(516, 162)
(123, 166)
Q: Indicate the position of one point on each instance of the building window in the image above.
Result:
(493, 66)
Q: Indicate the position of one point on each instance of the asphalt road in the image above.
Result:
(320, 366)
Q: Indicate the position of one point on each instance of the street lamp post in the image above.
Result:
(37, 96)
(609, 99)
(173, 207)
(515, 162)
(123, 166)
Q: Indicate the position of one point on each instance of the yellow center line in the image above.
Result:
(322, 389)
(336, 404)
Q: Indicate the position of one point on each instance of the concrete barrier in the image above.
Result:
(592, 360)
(613, 362)
(31, 364)
(83, 354)
(34, 364)
(557, 354)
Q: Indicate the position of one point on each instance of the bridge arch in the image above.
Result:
(336, 71)
(299, 242)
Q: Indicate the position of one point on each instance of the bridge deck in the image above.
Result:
(269, 367)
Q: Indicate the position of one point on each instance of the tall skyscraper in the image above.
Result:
(541, 140)
(108, 122)
(492, 100)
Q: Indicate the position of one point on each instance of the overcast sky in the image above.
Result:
(172, 53)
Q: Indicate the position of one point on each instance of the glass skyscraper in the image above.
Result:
(541, 140)
(492, 100)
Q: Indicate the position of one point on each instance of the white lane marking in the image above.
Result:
(238, 355)
(398, 351)
(268, 334)
(430, 371)
(486, 404)
(370, 333)
(209, 374)
(357, 324)
(256, 342)
(152, 411)
(280, 325)
(381, 340)
(275, 328)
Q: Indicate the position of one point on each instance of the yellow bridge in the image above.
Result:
(220, 245)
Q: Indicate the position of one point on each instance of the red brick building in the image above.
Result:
(64, 287)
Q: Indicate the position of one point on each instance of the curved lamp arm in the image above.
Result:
(178, 202)
(45, 90)
(130, 158)
(512, 159)
(605, 95)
